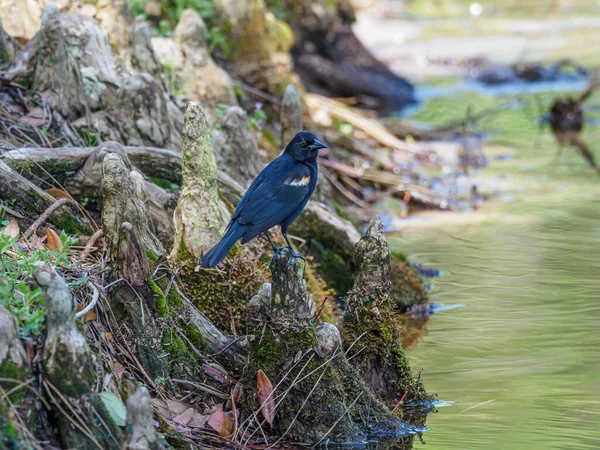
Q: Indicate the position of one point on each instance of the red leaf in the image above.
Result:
(219, 422)
(265, 396)
(52, 240)
(57, 193)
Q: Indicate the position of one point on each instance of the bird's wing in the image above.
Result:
(269, 200)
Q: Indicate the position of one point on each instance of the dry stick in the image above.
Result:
(92, 304)
(89, 247)
(23, 426)
(408, 389)
(44, 216)
(18, 387)
(300, 409)
(340, 418)
(255, 413)
(203, 387)
(336, 184)
(91, 221)
(296, 381)
(37, 394)
(83, 428)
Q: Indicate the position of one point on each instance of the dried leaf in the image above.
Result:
(78, 307)
(118, 369)
(36, 243)
(12, 229)
(265, 396)
(53, 241)
(185, 417)
(198, 420)
(216, 372)
(219, 422)
(169, 408)
(90, 315)
(238, 393)
(57, 193)
(109, 336)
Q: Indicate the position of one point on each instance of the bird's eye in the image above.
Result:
(304, 144)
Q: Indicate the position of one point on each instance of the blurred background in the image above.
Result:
(471, 128)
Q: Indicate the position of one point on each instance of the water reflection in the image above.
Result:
(522, 360)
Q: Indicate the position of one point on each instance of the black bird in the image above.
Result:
(276, 197)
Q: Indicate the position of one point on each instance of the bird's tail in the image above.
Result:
(219, 251)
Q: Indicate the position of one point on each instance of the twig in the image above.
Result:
(340, 418)
(408, 389)
(81, 427)
(91, 304)
(204, 388)
(44, 216)
(89, 247)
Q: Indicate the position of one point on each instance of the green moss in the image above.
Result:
(69, 224)
(224, 294)
(10, 370)
(9, 437)
(192, 333)
(162, 307)
(406, 289)
(173, 344)
(151, 255)
(333, 263)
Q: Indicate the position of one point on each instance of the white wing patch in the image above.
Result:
(297, 182)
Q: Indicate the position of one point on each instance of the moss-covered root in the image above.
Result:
(235, 147)
(290, 115)
(129, 243)
(69, 368)
(13, 360)
(141, 434)
(323, 396)
(372, 320)
(331, 240)
(407, 289)
(198, 216)
(56, 75)
(286, 304)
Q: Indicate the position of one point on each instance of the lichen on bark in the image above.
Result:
(198, 217)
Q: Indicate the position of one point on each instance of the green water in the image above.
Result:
(522, 360)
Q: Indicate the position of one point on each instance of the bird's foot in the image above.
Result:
(276, 252)
(294, 254)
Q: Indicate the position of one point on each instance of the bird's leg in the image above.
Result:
(273, 245)
(276, 250)
(293, 253)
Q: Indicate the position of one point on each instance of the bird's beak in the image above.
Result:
(317, 145)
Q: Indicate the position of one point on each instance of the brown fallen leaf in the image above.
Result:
(90, 315)
(169, 408)
(185, 417)
(265, 396)
(118, 369)
(198, 420)
(109, 336)
(53, 241)
(219, 422)
(57, 193)
(12, 229)
(36, 243)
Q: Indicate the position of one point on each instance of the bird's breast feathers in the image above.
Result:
(297, 182)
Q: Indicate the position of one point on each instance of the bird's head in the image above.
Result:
(304, 147)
